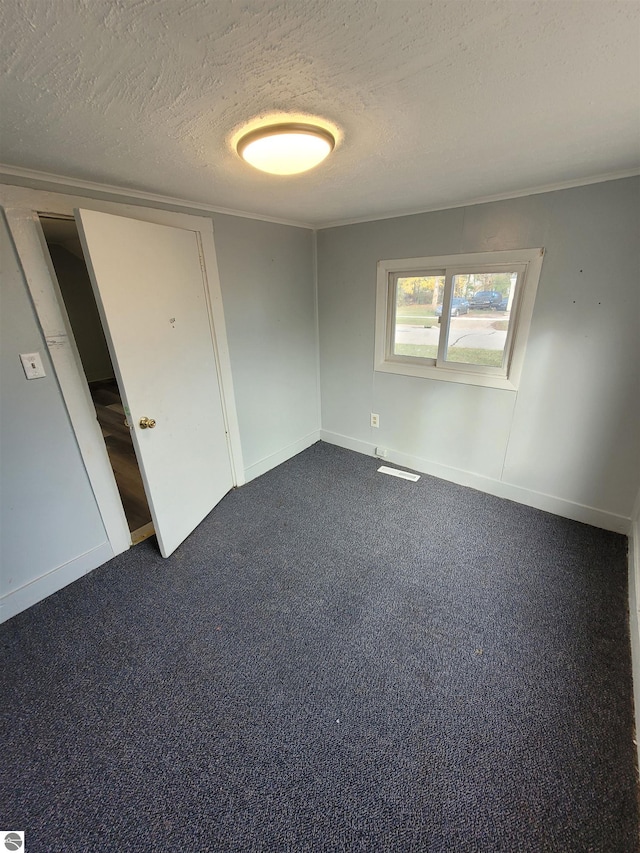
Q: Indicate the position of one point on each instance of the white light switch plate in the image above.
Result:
(32, 364)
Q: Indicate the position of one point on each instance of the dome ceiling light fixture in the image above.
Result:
(286, 149)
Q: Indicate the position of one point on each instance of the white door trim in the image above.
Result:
(21, 206)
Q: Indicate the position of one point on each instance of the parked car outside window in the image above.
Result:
(458, 306)
(486, 299)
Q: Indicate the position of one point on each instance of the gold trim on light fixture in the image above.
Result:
(292, 157)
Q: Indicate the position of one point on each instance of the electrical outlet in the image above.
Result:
(375, 420)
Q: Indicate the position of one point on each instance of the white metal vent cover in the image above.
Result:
(395, 472)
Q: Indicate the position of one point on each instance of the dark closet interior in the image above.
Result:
(68, 262)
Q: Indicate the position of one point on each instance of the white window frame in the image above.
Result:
(526, 262)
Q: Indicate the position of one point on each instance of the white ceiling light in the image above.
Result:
(286, 149)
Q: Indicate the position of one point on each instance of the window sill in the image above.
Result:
(423, 371)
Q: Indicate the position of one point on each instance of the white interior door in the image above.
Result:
(151, 293)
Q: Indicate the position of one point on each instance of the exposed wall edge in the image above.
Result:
(280, 456)
(17, 600)
(549, 503)
(634, 614)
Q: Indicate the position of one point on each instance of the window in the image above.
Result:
(461, 318)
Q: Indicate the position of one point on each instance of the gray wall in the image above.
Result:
(573, 429)
(47, 510)
(268, 292)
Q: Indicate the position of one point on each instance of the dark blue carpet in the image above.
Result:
(335, 660)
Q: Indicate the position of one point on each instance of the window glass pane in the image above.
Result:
(417, 311)
(481, 310)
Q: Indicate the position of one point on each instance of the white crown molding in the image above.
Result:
(31, 177)
(547, 188)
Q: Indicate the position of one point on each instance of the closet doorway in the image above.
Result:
(68, 261)
(154, 278)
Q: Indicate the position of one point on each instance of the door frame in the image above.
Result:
(22, 207)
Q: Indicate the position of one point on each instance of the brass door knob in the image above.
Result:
(147, 423)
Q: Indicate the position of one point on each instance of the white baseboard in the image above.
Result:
(558, 506)
(17, 600)
(280, 456)
(348, 443)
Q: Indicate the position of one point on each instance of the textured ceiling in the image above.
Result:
(437, 103)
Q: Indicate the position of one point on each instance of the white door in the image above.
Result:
(150, 289)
